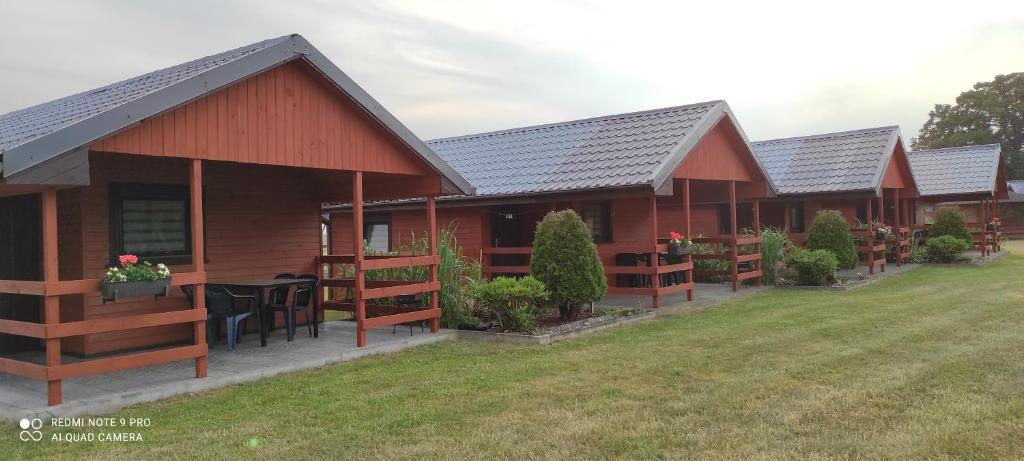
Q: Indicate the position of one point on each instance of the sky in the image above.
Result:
(447, 68)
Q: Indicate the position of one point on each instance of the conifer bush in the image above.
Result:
(831, 232)
(949, 221)
(565, 259)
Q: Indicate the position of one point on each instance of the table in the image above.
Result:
(262, 285)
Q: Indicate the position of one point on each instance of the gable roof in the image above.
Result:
(846, 161)
(956, 170)
(38, 135)
(622, 150)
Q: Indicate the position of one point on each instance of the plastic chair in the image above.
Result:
(221, 303)
(302, 301)
(278, 297)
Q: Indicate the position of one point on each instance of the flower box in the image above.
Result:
(679, 250)
(112, 291)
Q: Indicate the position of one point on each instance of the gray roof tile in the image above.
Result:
(610, 151)
(955, 170)
(830, 162)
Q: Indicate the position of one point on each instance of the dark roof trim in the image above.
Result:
(33, 153)
(720, 111)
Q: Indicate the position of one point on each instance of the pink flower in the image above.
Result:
(127, 260)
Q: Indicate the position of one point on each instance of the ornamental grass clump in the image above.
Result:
(831, 232)
(774, 246)
(515, 303)
(949, 221)
(565, 259)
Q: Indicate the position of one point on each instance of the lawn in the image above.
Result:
(924, 365)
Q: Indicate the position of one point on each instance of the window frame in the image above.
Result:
(119, 192)
(802, 227)
(607, 227)
(377, 218)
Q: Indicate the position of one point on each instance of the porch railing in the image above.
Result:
(743, 265)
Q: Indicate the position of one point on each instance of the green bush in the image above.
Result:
(949, 221)
(831, 232)
(516, 303)
(813, 267)
(458, 275)
(774, 245)
(946, 249)
(565, 259)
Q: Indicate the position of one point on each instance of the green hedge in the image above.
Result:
(565, 259)
(949, 221)
(813, 267)
(516, 303)
(946, 249)
(831, 232)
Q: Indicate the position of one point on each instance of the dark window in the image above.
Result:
(862, 212)
(151, 221)
(796, 217)
(724, 219)
(377, 232)
(598, 218)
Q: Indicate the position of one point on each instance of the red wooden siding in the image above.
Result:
(260, 221)
(285, 116)
(897, 174)
(466, 223)
(720, 155)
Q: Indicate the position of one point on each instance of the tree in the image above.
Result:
(830, 231)
(951, 222)
(565, 259)
(992, 112)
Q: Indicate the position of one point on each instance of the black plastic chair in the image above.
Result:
(234, 309)
(302, 301)
(278, 298)
(410, 301)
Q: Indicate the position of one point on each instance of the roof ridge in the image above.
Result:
(827, 135)
(943, 149)
(575, 122)
(261, 43)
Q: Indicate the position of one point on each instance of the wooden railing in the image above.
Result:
(339, 271)
(51, 372)
(730, 249)
(650, 276)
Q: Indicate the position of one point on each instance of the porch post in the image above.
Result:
(881, 205)
(195, 185)
(688, 274)
(896, 226)
(435, 323)
(357, 257)
(757, 233)
(51, 304)
(735, 235)
(870, 240)
(655, 255)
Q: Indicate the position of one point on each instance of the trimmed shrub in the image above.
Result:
(774, 245)
(831, 232)
(949, 221)
(565, 259)
(516, 303)
(813, 267)
(946, 249)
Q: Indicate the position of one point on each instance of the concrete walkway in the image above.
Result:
(109, 392)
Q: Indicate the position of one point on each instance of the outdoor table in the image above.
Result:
(262, 285)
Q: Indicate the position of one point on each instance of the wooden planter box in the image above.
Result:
(112, 291)
(679, 250)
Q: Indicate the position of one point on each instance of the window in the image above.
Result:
(724, 219)
(796, 217)
(377, 232)
(862, 212)
(598, 218)
(151, 221)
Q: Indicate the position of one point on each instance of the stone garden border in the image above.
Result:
(581, 328)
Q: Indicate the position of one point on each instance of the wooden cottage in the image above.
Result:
(971, 178)
(632, 177)
(217, 167)
(864, 174)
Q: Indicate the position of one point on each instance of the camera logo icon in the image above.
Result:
(30, 430)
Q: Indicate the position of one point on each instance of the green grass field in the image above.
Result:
(924, 365)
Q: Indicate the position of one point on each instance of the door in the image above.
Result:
(507, 231)
(20, 259)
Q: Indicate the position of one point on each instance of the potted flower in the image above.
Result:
(130, 279)
(678, 244)
(993, 225)
(883, 231)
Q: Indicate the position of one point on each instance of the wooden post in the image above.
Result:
(896, 227)
(195, 184)
(870, 240)
(51, 304)
(757, 233)
(687, 275)
(655, 255)
(357, 257)
(435, 323)
(735, 235)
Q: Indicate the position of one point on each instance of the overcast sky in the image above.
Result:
(457, 67)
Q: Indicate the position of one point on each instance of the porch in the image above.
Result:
(20, 396)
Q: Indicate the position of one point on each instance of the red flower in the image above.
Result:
(126, 260)
(676, 235)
